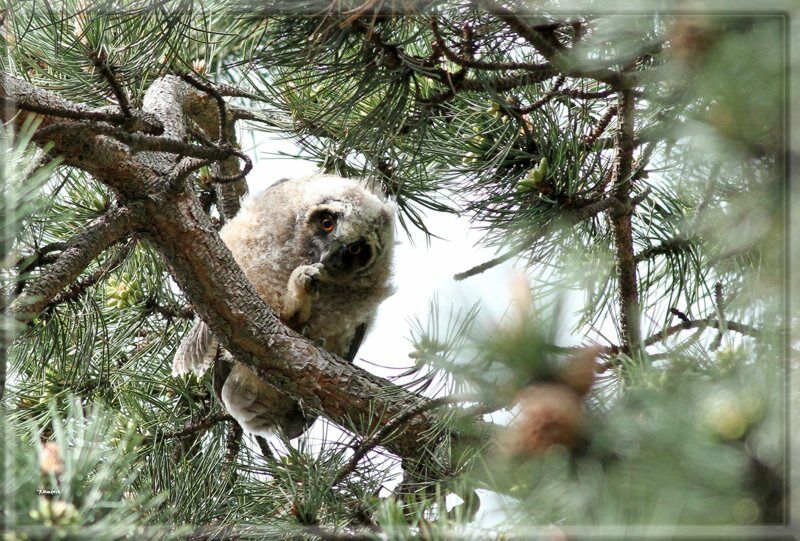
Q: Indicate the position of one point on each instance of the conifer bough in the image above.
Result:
(156, 202)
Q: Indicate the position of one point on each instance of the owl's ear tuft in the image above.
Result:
(375, 187)
(388, 212)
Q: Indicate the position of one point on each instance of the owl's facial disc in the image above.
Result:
(346, 243)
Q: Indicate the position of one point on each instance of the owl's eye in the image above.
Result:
(354, 249)
(327, 224)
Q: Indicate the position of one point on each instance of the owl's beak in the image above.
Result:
(332, 257)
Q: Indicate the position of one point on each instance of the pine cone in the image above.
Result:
(579, 372)
(550, 414)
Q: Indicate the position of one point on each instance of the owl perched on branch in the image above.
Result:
(318, 250)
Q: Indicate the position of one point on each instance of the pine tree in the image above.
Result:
(633, 164)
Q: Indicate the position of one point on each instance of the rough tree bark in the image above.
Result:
(622, 227)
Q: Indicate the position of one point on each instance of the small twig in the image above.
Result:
(483, 267)
(38, 256)
(518, 25)
(552, 53)
(685, 324)
(584, 95)
(683, 317)
(100, 60)
(478, 64)
(498, 84)
(643, 160)
(198, 133)
(641, 197)
(224, 179)
(229, 179)
(572, 217)
(189, 165)
(708, 193)
(601, 126)
(41, 257)
(670, 246)
(140, 121)
(480, 410)
(393, 55)
(184, 168)
(81, 249)
(700, 324)
(263, 446)
(234, 441)
(591, 209)
(234, 91)
(719, 306)
(78, 288)
(570, 93)
(243, 114)
(327, 535)
(169, 312)
(198, 426)
(554, 91)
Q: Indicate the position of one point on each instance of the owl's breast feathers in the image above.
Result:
(339, 311)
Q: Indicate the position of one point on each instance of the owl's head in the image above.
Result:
(345, 226)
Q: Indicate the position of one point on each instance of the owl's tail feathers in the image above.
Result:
(196, 352)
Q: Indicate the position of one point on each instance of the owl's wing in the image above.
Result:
(358, 337)
(196, 352)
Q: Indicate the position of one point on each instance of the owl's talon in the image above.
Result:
(308, 277)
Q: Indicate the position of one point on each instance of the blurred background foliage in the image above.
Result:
(448, 108)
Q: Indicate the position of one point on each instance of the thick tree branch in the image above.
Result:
(78, 254)
(252, 332)
(102, 157)
(105, 150)
(143, 143)
(621, 223)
